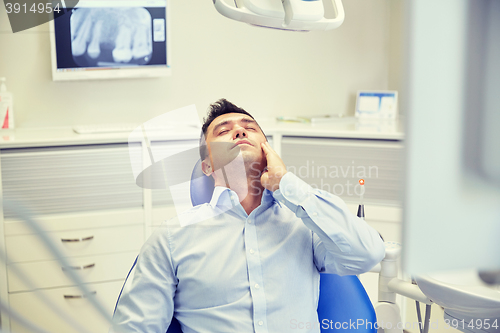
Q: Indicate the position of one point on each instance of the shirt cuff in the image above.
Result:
(292, 192)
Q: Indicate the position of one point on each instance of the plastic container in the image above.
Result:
(6, 106)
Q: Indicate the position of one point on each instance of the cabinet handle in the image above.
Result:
(67, 268)
(69, 240)
(79, 296)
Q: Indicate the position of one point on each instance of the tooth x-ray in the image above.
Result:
(129, 35)
(111, 36)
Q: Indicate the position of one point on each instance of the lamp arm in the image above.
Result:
(388, 312)
(243, 14)
(408, 289)
(389, 284)
(339, 17)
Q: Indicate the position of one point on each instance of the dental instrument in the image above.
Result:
(361, 207)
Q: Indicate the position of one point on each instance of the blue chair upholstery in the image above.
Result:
(343, 302)
(344, 305)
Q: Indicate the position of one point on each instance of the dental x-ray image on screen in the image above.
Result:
(111, 39)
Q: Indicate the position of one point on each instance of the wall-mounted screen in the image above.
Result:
(106, 39)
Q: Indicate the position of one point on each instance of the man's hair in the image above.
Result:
(219, 108)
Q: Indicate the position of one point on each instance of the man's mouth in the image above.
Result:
(242, 142)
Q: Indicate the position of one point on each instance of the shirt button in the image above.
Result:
(283, 201)
(287, 192)
(252, 251)
(314, 214)
(257, 286)
(249, 222)
(261, 323)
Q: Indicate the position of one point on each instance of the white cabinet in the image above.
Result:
(336, 165)
(74, 243)
(91, 269)
(88, 206)
(78, 310)
(183, 156)
(67, 179)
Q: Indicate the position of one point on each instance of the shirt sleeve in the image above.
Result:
(343, 244)
(146, 302)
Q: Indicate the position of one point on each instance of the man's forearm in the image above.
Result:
(347, 244)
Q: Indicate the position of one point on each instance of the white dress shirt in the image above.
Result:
(241, 273)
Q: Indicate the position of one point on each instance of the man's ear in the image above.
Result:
(206, 167)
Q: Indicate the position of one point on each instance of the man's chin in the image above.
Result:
(252, 161)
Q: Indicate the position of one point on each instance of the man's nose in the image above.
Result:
(240, 132)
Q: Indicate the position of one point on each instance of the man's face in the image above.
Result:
(232, 133)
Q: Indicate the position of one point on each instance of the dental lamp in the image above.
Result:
(295, 15)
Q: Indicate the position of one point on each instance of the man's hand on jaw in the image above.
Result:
(275, 169)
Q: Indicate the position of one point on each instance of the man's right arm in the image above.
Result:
(146, 304)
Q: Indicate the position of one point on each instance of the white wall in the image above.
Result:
(268, 72)
(397, 49)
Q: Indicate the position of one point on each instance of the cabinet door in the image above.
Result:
(182, 156)
(70, 179)
(336, 165)
(52, 274)
(75, 243)
(73, 307)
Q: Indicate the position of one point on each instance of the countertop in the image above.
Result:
(348, 128)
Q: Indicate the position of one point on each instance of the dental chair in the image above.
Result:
(342, 299)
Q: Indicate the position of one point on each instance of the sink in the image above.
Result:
(464, 296)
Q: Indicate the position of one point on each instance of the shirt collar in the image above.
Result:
(222, 197)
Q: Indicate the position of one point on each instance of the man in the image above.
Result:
(251, 263)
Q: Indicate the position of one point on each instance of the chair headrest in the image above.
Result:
(201, 187)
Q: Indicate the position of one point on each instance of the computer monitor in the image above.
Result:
(111, 39)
